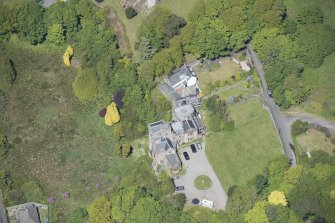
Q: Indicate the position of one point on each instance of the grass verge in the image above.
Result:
(202, 182)
(238, 155)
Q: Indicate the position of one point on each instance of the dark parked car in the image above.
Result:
(199, 146)
(194, 150)
(179, 188)
(186, 155)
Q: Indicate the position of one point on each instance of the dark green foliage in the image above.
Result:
(260, 182)
(130, 12)
(7, 73)
(311, 14)
(85, 85)
(299, 127)
(3, 145)
(315, 43)
(219, 118)
(11, 193)
(277, 213)
(159, 27)
(173, 25)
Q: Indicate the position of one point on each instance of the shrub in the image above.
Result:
(130, 12)
(99, 1)
(299, 127)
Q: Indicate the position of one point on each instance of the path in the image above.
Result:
(47, 3)
(280, 123)
(196, 166)
(330, 125)
(3, 217)
(120, 32)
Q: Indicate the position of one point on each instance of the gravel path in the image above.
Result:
(196, 166)
(47, 3)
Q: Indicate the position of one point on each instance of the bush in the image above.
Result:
(99, 1)
(299, 127)
(3, 145)
(130, 12)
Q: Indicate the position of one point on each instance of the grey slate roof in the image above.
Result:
(188, 124)
(173, 159)
(184, 112)
(182, 74)
(163, 145)
(28, 215)
(169, 92)
(177, 127)
(155, 126)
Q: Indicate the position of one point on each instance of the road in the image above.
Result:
(196, 166)
(283, 128)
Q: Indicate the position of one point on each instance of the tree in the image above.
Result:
(293, 174)
(7, 73)
(3, 145)
(315, 43)
(310, 14)
(257, 214)
(112, 115)
(299, 127)
(173, 25)
(99, 211)
(277, 213)
(277, 197)
(126, 150)
(67, 55)
(130, 12)
(85, 85)
(56, 34)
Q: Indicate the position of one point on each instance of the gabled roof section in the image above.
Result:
(28, 214)
(156, 126)
(183, 74)
(173, 159)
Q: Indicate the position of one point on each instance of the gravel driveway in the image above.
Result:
(199, 165)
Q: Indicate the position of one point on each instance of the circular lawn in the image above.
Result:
(202, 182)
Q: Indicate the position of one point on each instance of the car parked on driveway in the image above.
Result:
(187, 157)
(199, 146)
(194, 150)
(179, 188)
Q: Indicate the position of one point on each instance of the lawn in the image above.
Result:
(315, 140)
(202, 182)
(179, 7)
(226, 70)
(56, 141)
(238, 155)
(321, 81)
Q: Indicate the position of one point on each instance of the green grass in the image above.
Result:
(179, 7)
(315, 140)
(202, 182)
(225, 72)
(321, 82)
(56, 141)
(131, 25)
(238, 155)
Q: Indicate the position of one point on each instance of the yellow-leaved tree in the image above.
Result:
(112, 116)
(67, 55)
(277, 197)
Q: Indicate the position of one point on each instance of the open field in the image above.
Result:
(315, 140)
(238, 155)
(321, 81)
(225, 72)
(55, 140)
(179, 7)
